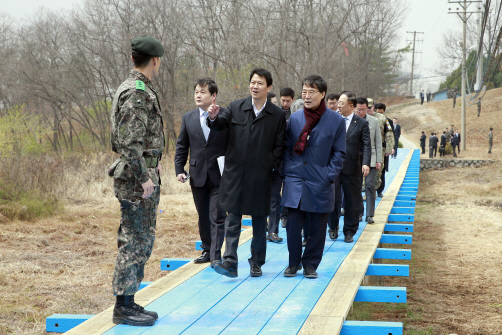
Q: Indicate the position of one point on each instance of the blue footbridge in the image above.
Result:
(194, 299)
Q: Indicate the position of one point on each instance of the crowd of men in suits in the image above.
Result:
(315, 149)
(451, 136)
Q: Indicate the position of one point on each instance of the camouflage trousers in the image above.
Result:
(378, 175)
(135, 238)
(490, 143)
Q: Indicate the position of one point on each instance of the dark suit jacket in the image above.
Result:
(309, 178)
(433, 141)
(422, 140)
(397, 131)
(255, 150)
(443, 140)
(202, 155)
(456, 139)
(357, 140)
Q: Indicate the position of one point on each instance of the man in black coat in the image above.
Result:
(433, 145)
(422, 142)
(455, 142)
(442, 144)
(256, 143)
(422, 96)
(205, 147)
(357, 140)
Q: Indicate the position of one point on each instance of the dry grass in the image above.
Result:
(64, 263)
(454, 284)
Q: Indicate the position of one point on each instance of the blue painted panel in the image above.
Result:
(381, 294)
(397, 270)
(408, 193)
(61, 323)
(396, 239)
(144, 284)
(170, 264)
(405, 228)
(198, 245)
(247, 222)
(408, 189)
(401, 218)
(399, 203)
(371, 328)
(385, 253)
(406, 197)
(402, 210)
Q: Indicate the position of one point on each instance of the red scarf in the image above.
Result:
(312, 117)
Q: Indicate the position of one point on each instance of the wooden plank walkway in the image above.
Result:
(196, 300)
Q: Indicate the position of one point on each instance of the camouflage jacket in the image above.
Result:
(490, 136)
(448, 136)
(137, 129)
(387, 134)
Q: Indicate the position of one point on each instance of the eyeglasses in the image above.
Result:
(309, 93)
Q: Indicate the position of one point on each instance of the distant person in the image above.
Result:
(452, 132)
(272, 98)
(422, 142)
(429, 96)
(286, 98)
(442, 144)
(447, 135)
(433, 145)
(332, 101)
(397, 135)
(454, 99)
(490, 140)
(479, 107)
(315, 152)
(422, 96)
(455, 142)
(457, 134)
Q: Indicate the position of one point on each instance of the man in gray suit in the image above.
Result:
(376, 159)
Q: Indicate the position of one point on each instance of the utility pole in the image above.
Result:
(463, 16)
(413, 58)
(479, 76)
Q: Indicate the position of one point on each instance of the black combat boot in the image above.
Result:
(125, 313)
(141, 309)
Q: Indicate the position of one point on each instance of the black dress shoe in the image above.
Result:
(333, 234)
(292, 270)
(369, 219)
(349, 239)
(204, 258)
(273, 237)
(255, 270)
(304, 243)
(214, 262)
(342, 212)
(380, 195)
(226, 269)
(310, 272)
(360, 218)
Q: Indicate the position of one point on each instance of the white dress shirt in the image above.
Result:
(256, 111)
(203, 116)
(347, 123)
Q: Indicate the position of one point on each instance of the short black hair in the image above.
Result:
(423, 132)
(332, 96)
(351, 97)
(211, 85)
(362, 101)
(444, 131)
(491, 128)
(262, 73)
(316, 81)
(270, 95)
(380, 106)
(432, 134)
(287, 92)
(394, 118)
(140, 60)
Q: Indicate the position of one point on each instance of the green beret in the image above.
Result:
(147, 45)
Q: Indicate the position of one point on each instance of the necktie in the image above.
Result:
(205, 128)
(346, 122)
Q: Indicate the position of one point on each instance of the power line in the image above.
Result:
(413, 57)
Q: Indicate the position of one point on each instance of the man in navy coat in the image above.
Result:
(315, 151)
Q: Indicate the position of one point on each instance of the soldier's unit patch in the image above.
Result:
(140, 85)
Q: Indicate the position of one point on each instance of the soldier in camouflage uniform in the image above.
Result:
(137, 134)
(388, 140)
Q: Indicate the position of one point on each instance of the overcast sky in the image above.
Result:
(428, 16)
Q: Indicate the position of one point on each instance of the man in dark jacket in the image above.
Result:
(442, 144)
(358, 140)
(315, 152)
(422, 142)
(397, 135)
(433, 145)
(205, 147)
(256, 130)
